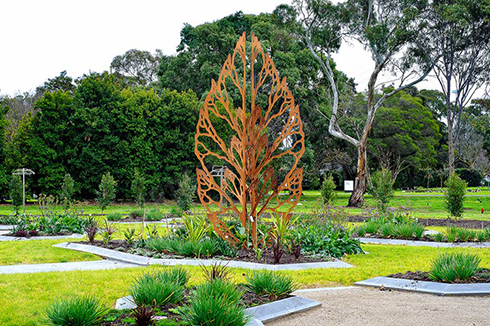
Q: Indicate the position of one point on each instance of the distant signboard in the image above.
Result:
(348, 185)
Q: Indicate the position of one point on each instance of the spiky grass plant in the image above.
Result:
(159, 288)
(77, 311)
(269, 283)
(217, 270)
(215, 303)
(451, 267)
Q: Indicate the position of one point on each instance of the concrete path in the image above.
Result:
(50, 237)
(140, 260)
(426, 243)
(64, 267)
(355, 306)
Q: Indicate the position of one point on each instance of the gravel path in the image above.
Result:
(364, 307)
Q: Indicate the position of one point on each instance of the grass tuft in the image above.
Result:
(78, 311)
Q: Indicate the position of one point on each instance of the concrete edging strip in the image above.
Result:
(44, 237)
(260, 314)
(434, 244)
(437, 288)
(140, 260)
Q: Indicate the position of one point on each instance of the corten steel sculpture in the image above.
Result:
(257, 138)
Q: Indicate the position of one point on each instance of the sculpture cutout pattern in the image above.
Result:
(250, 124)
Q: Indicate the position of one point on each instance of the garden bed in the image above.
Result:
(481, 276)
(168, 312)
(242, 255)
(469, 224)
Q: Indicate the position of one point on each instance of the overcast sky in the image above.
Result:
(42, 38)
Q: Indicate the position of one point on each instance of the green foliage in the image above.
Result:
(157, 289)
(405, 134)
(324, 235)
(137, 213)
(138, 188)
(78, 311)
(328, 190)
(196, 227)
(270, 283)
(107, 232)
(215, 271)
(184, 194)
(392, 224)
(143, 316)
(67, 190)
(107, 191)
(16, 192)
(53, 224)
(114, 216)
(215, 303)
(188, 248)
(455, 195)
(450, 267)
(154, 214)
(381, 188)
(129, 235)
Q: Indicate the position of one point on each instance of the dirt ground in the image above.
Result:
(365, 306)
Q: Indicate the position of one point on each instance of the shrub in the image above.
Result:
(215, 271)
(203, 248)
(114, 217)
(439, 237)
(386, 230)
(372, 226)
(16, 192)
(450, 267)
(270, 283)
(185, 193)
(418, 230)
(177, 275)
(79, 311)
(137, 213)
(361, 230)
(143, 316)
(215, 303)
(67, 191)
(155, 290)
(328, 190)
(107, 191)
(154, 215)
(381, 188)
(403, 230)
(196, 227)
(129, 235)
(91, 229)
(328, 241)
(455, 195)
(138, 188)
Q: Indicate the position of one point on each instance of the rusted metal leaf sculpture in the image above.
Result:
(256, 141)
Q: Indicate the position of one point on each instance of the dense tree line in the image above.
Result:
(100, 127)
(142, 116)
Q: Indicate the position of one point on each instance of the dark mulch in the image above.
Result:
(377, 236)
(481, 276)
(242, 255)
(34, 234)
(249, 299)
(470, 224)
(119, 245)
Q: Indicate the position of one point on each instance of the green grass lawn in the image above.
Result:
(421, 205)
(24, 297)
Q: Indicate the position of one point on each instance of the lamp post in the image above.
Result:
(23, 172)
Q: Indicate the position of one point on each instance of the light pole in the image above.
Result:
(23, 172)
